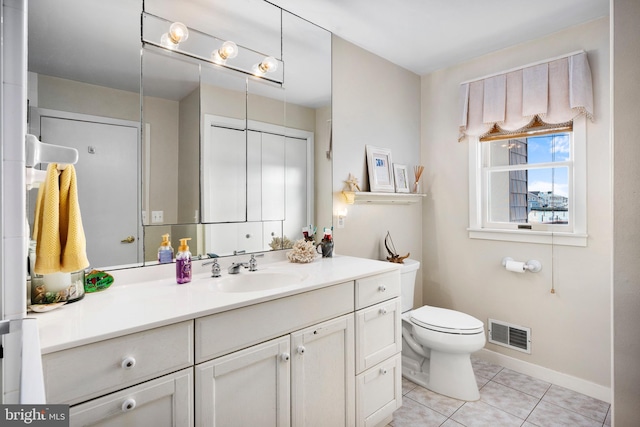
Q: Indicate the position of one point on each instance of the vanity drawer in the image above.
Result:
(165, 401)
(378, 333)
(81, 373)
(223, 333)
(378, 288)
(379, 392)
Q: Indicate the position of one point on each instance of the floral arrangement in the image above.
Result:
(303, 251)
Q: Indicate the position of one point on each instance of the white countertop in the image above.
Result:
(125, 307)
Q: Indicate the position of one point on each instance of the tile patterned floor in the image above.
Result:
(507, 398)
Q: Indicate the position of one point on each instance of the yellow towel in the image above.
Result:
(58, 231)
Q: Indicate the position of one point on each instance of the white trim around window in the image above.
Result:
(478, 211)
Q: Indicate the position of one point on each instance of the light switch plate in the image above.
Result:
(157, 217)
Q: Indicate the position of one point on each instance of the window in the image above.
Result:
(530, 187)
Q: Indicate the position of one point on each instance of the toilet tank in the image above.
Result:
(408, 273)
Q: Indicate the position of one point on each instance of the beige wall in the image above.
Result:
(626, 230)
(378, 103)
(571, 328)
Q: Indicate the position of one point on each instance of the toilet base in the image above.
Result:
(453, 374)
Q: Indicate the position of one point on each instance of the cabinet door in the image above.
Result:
(379, 392)
(323, 374)
(165, 401)
(378, 333)
(247, 388)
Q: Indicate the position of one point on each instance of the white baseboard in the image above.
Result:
(579, 385)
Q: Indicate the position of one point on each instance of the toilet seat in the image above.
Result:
(445, 320)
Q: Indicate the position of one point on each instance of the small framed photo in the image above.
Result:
(401, 177)
(380, 170)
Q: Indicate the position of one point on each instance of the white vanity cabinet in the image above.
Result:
(328, 355)
(302, 377)
(282, 382)
(378, 346)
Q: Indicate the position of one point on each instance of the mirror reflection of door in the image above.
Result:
(107, 180)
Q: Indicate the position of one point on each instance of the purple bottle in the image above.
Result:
(183, 263)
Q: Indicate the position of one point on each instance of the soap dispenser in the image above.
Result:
(165, 251)
(183, 262)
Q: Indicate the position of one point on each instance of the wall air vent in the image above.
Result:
(511, 336)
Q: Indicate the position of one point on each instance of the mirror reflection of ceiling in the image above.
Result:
(422, 36)
(428, 35)
(98, 42)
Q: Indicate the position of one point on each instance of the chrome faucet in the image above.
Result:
(234, 268)
(252, 265)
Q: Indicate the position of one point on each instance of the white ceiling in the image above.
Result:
(427, 35)
(99, 41)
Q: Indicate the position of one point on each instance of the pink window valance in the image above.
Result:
(551, 93)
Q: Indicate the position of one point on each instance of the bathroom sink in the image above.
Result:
(260, 280)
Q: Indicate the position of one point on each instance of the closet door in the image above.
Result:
(108, 161)
(224, 160)
(298, 188)
(273, 177)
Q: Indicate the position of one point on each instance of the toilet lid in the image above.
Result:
(444, 320)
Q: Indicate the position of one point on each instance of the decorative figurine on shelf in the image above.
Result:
(326, 246)
(352, 182)
(393, 255)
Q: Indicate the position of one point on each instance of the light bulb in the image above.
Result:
(268, 65)
(178, 32)
(228, 50)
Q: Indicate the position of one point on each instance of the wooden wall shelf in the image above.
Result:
(360, 197)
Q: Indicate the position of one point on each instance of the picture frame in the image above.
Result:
(380, 169)
(401, 178)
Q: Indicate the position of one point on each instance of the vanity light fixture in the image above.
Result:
(171, 35)
(178, 32)
(228, 50)
(268, 65)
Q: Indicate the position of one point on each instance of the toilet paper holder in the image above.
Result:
(532, 265)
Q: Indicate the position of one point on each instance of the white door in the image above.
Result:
(323, 374)
(247, 388)
(107, 179)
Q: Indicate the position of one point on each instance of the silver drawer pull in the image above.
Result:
(382, 288)
(383, 371)
(301, 349)
(285, 357)
(128, 405)
(383, 311)
(128, 362)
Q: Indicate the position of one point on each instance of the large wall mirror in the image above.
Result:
(170, 142)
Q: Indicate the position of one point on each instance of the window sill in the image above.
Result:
(528, 236)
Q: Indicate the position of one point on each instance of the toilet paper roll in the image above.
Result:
(515, 266)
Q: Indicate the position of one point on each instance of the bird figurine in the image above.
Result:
(393, 255)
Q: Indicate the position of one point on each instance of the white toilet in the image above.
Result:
(437, 343)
